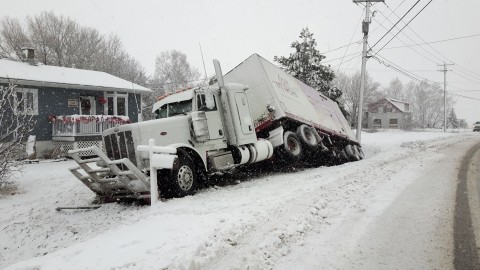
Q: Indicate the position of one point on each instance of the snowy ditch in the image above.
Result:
(251, 224)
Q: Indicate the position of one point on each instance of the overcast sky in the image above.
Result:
(233, 30)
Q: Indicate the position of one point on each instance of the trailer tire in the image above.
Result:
(351, 153)
(307, 136)
(291, 149)
(183, 180)
(343, 156)
(360, 151)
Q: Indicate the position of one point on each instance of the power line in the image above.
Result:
(395, 24)
(462, 69)
(341, 47)
(455, 94)
(356, 27)
(405, 25)
(431, 42)
(422, 55)
(357, 53)
(385, 18)
(411, 39)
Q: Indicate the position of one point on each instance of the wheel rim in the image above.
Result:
(185, 178)
(310, 137)
(293, 146)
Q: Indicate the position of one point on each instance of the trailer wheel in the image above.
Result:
(291, 149)
(307, 136)
(183, 180)
(351, 153)
(360, 151)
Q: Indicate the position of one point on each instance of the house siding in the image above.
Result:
(384, 111)
(54, 101)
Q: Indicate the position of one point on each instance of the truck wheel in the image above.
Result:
(307, 136)
(291, 149)
(183, 180)
(360, 152)
(352, 155)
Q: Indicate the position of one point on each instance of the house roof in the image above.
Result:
(400, 105)
(24, 73)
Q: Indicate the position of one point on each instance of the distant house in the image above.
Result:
(71, 106)
(388, 113)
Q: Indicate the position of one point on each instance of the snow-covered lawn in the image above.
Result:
(258, 222)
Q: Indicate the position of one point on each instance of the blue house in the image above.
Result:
(71, 106)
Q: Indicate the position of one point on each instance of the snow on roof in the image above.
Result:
(176, 97)
(401, 105)
(43, 75)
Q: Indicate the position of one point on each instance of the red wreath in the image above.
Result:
(52, 118)
(102, 100)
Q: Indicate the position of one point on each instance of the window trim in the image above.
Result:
(115, 105)
(26, 110)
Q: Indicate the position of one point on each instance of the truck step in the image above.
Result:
(89, 160)
(98, 170)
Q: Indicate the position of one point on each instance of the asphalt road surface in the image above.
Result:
(467, 212)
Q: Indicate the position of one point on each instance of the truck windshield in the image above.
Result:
(172, 109)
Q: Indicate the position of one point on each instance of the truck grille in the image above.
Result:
(120, 145)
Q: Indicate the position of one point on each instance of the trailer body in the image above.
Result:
(292, 99)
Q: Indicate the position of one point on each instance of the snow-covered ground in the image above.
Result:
(310, 218)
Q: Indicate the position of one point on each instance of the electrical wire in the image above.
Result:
(421, 54)
(405, 26)
(395, 24)
(353, 34)
(462, 69)
(431, 42)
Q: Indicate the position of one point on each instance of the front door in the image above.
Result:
(87, 105)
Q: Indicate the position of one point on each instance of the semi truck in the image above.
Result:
(255, 112)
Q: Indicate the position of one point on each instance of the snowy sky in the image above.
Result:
(233, 30)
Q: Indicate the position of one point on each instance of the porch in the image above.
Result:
(71, 132)
(83, 127)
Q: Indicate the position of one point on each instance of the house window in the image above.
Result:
(393, 123)
(377, 123)
(26, 101)
(122, 104)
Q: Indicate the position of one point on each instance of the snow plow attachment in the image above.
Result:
(110, 179)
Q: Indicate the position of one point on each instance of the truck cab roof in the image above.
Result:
(176, 97)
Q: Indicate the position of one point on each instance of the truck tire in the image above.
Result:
(360, 152)
(307, 136)
(351, 153)
(183, 180)
(291, 149)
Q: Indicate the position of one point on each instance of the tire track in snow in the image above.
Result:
(258, 245)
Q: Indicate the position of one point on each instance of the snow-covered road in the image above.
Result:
(394, 208)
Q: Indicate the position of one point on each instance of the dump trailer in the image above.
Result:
(256, 112)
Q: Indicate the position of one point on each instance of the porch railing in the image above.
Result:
(84, 125)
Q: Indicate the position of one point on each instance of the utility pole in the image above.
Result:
(365, 28)
(444, 70)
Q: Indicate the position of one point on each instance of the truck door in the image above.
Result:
(243, 111)
(214, 120)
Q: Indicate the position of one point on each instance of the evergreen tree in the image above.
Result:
(305, 65)
(452, 121)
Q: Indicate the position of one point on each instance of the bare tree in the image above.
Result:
(350, 85)
(12, 39)
(172, 72)
(16, 127)
(395, 90)
(428, 105)
(61, 41)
